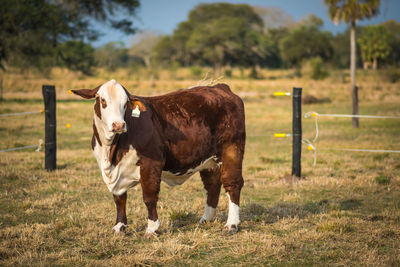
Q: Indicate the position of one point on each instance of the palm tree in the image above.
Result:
(350, 11)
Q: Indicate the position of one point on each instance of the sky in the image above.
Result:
(162, 16)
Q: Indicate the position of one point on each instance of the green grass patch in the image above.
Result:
(382, 180)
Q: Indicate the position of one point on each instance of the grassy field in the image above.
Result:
(345, 210)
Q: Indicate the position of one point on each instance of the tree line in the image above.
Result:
(219, 35)
(224, 35)
(43, 34)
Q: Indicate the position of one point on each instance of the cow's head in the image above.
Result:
(111, 102)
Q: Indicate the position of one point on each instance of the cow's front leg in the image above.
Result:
(121, 223)
(150, 183)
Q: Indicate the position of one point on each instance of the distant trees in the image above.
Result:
(112, 55)
(306, 41)
(143, 47)
(31, 32)
(393, 29)
(77, 55)
(44, 34)
(273, 57)
(219, 40)
(374, 44)
(218, 34)
(341, 49)
(223, 35)
(274, 17)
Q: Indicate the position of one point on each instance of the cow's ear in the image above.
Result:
(134, 102)
(86, 93)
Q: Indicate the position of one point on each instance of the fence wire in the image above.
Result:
(38, 147)
(21, 113)
(311, 144)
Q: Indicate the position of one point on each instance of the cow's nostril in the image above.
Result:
(118, 126)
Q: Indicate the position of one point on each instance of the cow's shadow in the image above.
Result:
(258, 213)
(178, 220)
(183, 220)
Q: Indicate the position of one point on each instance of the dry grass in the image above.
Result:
(346, 210)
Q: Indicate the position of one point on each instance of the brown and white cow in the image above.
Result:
(168, 138)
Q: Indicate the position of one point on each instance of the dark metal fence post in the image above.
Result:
(297, 133)
(50, 144)
(354, 95)
(1, 89)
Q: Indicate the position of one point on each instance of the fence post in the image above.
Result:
(1, 89)
(50, 146)
(354, 95)
(297, 133)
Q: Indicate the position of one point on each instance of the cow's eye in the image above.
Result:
(103, 102)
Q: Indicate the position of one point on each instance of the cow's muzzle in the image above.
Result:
(118, 127)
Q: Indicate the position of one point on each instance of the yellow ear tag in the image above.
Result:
(136, 112)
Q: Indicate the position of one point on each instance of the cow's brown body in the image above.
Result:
(177, 133)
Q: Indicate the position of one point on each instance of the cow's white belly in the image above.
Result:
(173, 179)
(127, 174)
(121, 177)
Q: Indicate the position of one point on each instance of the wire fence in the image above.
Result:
(312, 146)
(37, 146)
(50, 127)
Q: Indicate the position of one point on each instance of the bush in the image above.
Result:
(317, 69)
(391, 75)
(228, 73)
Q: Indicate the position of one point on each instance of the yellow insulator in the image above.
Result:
(282, 93)
(280, 135)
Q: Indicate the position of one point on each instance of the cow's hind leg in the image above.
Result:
(121, 222)
(232, 180)
(212, 183)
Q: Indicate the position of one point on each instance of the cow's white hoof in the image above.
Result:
(120, 228)
(152, 227)
(203, 220)
(232, 229)
(209, 214)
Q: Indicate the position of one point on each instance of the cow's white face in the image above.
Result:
(113, 101)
